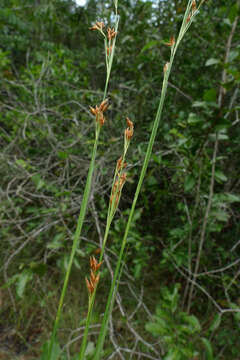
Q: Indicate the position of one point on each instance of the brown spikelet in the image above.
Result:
(188, 18)
(123, 179)
(128, 134)
(104, 105)
(97, 279)
(194, 6)
(171, 42)
(93, 111)
(129, 130)
(93, 263)
(111, 33)
(98, 265)
(94, 277)
(99, 25)
(165, 67)
(89, 286)
(119, 163)
(98, 111)
(109, 50)
(101, 119)
(116, 199)
(129, 123)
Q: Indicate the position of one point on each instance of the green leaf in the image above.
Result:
(210, 95)
(233, 55)
(39, 183)
(199, 104)
(221, 136)
(220, 176)
(216, 322)
(149, 45)
(208, 347)
(233, 13)
(173, 355)
(55, 351)
(154, 328)
(189, 183)
(22, 281)
(232, 198)
(10, 281)
(38, 268)
(193, 119)
(57, 242)
(152, 181)
(63, 155)
(193, 321)
(220, 215)
(212, 61)
(21, 163)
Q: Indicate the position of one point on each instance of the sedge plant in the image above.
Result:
(190, 13)
(118, 182)
(98, 112)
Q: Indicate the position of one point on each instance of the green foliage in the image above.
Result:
(179, 332)
(51, 69)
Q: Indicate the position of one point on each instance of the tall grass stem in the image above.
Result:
(110, 301)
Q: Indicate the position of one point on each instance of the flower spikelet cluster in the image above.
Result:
(117, 188)
(94, 277)
(129, 129)
(193, 10)
(99, 25)
(99, 110)
(171, 42)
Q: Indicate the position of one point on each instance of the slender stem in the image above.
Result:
(109, 61)
(75, 241)
(111, 213)
(110, 300)
(85, 335)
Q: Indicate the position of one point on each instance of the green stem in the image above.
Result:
(110, 300)
(85, 335)
(109, 68)
(75, 241)
(110, 217)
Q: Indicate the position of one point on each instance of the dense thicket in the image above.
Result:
(183, 252)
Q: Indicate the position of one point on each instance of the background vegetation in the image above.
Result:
(179, 293)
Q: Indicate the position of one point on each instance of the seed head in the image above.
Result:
(104, 105)
(129, 130)
(111, 33)
(165, 67)
(116, 199)
(94, 277)
(129, 123)
(94, 265)
(100, 119)
(89, 286)
(123, 179)
(188, 18)
(194, 6)
(120, 164)
(97, 26)
(171, 42)
(109, 50)
(98, 111)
